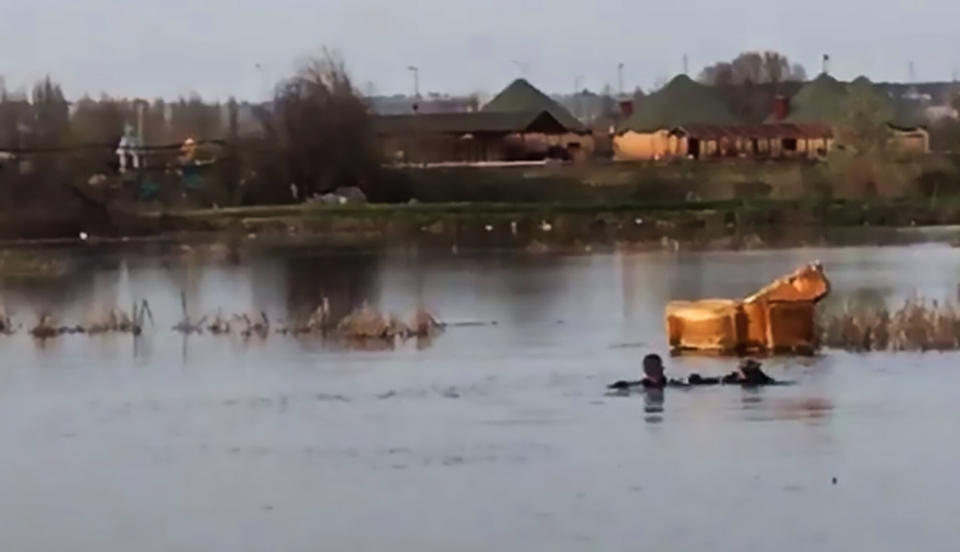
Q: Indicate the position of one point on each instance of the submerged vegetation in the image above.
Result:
(363, 324)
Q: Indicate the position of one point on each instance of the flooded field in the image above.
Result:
(492, 436)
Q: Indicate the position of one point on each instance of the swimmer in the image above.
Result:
(653, 377)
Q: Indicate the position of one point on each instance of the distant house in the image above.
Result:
(648, 133)
(519, 124)
(521, 96)
(466, 137)
(686, 119)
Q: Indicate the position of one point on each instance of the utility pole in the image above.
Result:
(577, 81)
(620, 78)
(686, 65)
(262, 81)
(416, 80)
(912, 72)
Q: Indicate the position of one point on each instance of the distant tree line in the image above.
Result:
(45, 119)
(314, 137)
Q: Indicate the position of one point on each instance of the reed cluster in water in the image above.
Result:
(364, 323)
(919, 325)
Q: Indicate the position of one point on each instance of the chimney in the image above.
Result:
(781, 107)
(626, 107)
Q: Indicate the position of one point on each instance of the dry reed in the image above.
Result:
(919, 325)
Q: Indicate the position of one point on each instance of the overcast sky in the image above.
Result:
(150, 48)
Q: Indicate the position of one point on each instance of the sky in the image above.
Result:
(223, 48)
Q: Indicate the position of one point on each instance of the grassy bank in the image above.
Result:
(601, 201)
(719, 223)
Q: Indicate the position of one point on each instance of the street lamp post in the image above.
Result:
(416, 80)
(620, 77)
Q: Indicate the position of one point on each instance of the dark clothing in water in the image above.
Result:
(645, 383)
(748, 378)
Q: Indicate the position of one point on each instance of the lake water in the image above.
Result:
(492, 437)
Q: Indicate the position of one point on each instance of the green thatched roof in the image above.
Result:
(822, 100)
(826, 100)
(681, 102)
(521, 96)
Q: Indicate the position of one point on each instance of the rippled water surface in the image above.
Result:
(490, 437)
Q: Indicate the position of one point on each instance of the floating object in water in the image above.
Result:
(778, 318)
(84, 236)
(546, 226)
(638, 221)
(488, 228)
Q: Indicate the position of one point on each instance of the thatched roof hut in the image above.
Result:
(822, 100)
(680, 102)
(521, 96)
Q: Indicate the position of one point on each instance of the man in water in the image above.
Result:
(653, 376)
(750, 374)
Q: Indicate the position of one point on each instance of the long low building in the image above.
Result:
(775, 140)
(519, 124)
(705, 141)
(470, 137)
(686, 119)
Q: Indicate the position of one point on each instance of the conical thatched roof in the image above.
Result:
(521, 96)
(681, 102)
(822, 100)
(826, 100)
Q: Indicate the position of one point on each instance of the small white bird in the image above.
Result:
(546, 226)
(84, 236)
(638, 222)
(489, 228)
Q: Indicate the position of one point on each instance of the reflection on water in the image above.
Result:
(499, 434)
(653, 402)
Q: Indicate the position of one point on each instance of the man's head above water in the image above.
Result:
(653, 367)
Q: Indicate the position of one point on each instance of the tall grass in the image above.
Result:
(918, 325)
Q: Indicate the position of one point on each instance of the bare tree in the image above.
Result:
(753, 67)
(51, 114)
(322, 131)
